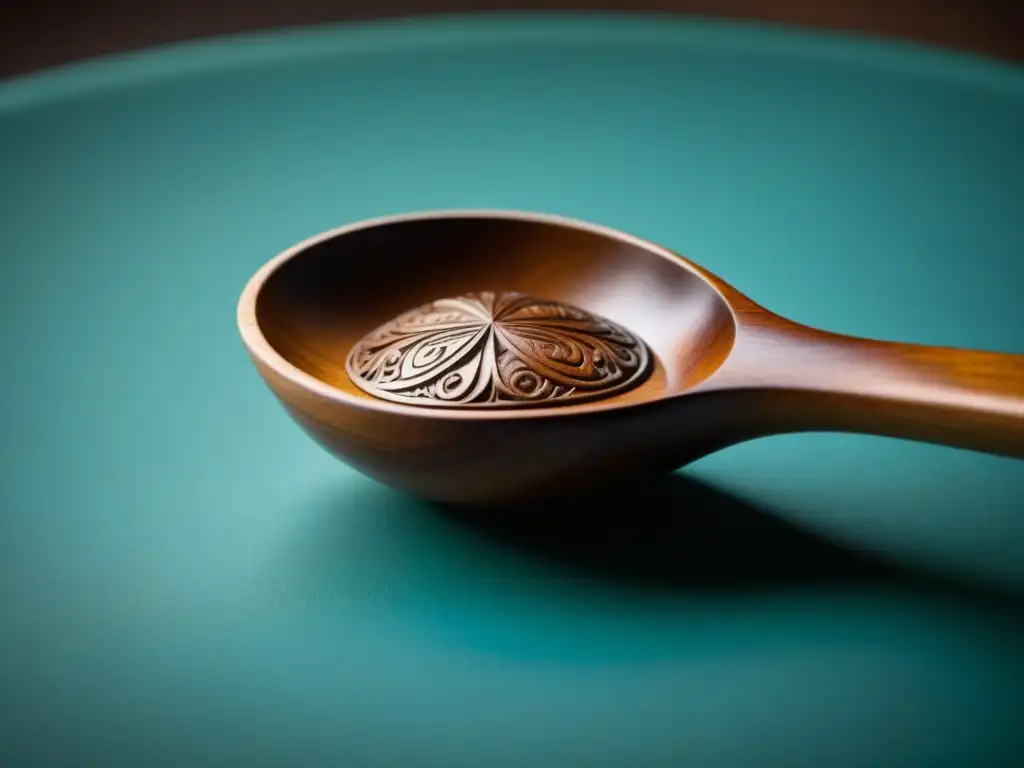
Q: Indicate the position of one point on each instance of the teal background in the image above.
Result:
(186, 579)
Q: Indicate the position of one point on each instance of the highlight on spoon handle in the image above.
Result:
(810, 380)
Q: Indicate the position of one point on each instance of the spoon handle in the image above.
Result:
(810, 380)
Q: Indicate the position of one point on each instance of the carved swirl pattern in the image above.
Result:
(498, 350)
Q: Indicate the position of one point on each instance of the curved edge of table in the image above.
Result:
(432, 32)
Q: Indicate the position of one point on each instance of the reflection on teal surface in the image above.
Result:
(186, 579)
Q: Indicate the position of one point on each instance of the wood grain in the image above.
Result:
(725, 370)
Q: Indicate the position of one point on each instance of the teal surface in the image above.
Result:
(185, 579)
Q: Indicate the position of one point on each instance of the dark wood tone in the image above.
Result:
(724, 369)
(41, 33)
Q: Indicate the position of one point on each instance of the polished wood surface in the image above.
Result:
(44, 33)
(725, 370)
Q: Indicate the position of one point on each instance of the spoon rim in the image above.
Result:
(261, 349)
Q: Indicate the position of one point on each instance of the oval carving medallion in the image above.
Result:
(497, 350)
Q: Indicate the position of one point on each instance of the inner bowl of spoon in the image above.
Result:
(316, 302)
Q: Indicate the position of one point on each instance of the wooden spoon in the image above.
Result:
(487, 357)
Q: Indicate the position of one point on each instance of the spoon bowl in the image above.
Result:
(693, 364)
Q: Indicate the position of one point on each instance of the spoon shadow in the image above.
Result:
(676, 533)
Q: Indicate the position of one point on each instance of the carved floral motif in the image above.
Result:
(499, 350)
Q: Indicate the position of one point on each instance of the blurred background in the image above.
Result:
(40, 33)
